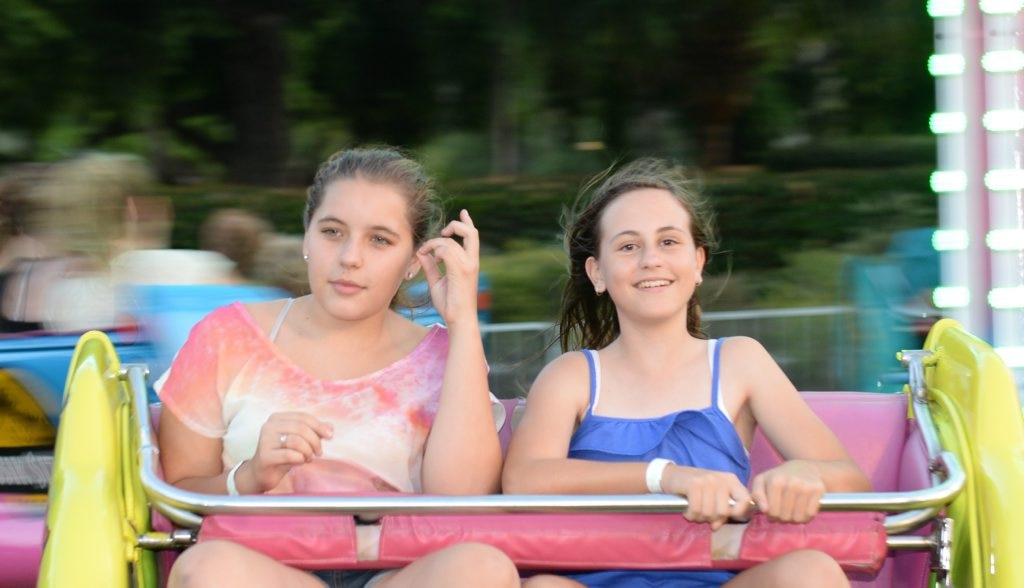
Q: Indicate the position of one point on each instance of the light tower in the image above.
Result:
(978, 66)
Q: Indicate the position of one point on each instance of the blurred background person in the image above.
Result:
(16, 240)
(238, 235)
(90, 210)
(167, 304)
(19, 248)
(279, 264)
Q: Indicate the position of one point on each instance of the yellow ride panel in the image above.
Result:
(978, 413)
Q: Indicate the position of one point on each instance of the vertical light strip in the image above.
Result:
(1002, 62)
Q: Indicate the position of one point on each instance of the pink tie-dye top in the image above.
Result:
(229, 378)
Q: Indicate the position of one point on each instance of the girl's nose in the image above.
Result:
(650, 257)
(350, 254)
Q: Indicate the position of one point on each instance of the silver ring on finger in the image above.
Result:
(284, 440)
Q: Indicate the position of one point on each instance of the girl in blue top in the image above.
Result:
(651, 405)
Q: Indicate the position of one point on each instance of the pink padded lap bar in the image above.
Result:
(633, 541)
(857, 540)
(314, 542)
(553, 541)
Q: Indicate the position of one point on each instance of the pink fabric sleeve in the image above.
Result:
(191, 391)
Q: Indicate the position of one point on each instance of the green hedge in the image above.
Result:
(853, 153)
(766, 220)
(192, 204)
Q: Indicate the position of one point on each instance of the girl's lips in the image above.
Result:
(346, 287)
(647, 284)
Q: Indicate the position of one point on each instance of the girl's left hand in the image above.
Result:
(789, 493)
(453, 292)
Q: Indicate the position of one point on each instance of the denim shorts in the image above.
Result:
(349, 578)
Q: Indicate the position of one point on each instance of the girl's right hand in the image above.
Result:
(286, 440)
(454, 290)
(714, 497)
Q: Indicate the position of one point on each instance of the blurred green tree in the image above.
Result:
(258, 91)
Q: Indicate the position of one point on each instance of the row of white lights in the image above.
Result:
(996, 121)
(959, 297)
(995, 180)
(996, 240)
(953, 64)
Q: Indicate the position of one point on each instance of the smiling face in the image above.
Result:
(647, 261)
(360, 248)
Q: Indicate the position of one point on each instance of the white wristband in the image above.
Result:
(655, 470)
(232, 489)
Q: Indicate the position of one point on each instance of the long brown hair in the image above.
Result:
(587, 320)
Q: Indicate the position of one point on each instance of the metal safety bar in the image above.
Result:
(185, 508)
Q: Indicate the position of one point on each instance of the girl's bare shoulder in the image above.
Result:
(569, 366)
(564, 379)
(265, 313)
(741, 351)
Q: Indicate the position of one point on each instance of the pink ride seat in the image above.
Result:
(873, 427)
(888, 446)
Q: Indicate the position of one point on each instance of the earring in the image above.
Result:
(409, 276)
(305, 257)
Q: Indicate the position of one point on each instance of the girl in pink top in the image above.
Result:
(334, 391)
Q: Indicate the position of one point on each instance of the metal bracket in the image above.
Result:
(122, 374)
(914, 360)
(176, 539)
(942, 560)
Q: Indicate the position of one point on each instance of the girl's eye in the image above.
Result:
(628, 247)
(381, 240)
(669, 242)
(330, 231)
